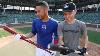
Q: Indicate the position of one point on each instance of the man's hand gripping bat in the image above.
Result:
(65, 50)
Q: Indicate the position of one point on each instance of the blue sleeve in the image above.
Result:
(56, 35)
(55, 32)
(34, 28)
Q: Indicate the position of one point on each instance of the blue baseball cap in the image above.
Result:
(68, 7)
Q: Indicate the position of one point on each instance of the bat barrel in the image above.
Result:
(9, 30)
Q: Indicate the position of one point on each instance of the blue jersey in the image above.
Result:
(44, 31)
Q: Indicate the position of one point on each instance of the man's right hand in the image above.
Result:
(17, 37)
(82, 50)
(66, 51)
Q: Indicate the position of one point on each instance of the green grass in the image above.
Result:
(23, 30)
(3, 33)
(94, 36)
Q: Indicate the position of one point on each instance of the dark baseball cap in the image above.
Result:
(68, 7)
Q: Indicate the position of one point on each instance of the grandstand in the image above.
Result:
(19, 15)
(22, 11)
(27, 16)
(89, 17)
(23, 16)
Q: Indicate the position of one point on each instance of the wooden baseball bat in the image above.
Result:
(10, 30)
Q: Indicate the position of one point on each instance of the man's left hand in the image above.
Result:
(83, 50)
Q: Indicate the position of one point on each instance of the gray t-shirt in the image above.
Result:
(71, 33)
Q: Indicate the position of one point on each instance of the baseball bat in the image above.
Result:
(10, 30)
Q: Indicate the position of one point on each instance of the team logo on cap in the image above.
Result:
(66, 6)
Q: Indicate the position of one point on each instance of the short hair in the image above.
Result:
(42, 3)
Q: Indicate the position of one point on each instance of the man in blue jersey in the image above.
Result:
(44, 27)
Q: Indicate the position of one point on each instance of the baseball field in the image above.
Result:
(94, 36)
(11, 47)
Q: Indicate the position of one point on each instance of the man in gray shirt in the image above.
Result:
(72, 32)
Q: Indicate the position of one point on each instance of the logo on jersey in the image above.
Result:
(43, 26)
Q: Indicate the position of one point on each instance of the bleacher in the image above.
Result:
(15, 16)
(89, 17)
(12, 15)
